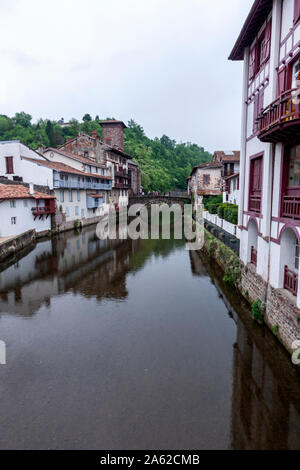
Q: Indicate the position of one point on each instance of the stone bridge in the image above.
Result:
(148, 200)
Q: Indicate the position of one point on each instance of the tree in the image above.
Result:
(50, 133)
(87, 117)
(23, 119)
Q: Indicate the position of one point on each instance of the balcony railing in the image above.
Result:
(42, 210)
(255, 204)
(290, 281)
(69, 184)
(291, 207)
(277, 121)
(253, 259)
(122, 173)
(122, 185)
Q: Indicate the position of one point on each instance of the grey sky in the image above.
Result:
(160, 62)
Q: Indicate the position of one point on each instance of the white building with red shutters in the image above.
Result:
(269, 214)
(23, 208)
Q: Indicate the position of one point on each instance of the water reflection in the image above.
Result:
(137, 344)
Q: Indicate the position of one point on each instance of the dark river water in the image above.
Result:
(136, 345)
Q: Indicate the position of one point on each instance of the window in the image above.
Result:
(13, 220)
(78, 196)
(294, 167)
(76, 210)
(258, 106)
(62, 196)
(25, 202)
(206, 179)
(13, 203)
(82, 216)
(70, 196)
(255, 186)
(67, 212)
(86, 154)
(9, 165)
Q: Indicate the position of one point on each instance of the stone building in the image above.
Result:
(205, 180)
(110, 152)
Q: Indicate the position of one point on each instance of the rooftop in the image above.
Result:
(112, 121)
(256, 18)
(17, 191)
(65, 168)
(75, 156)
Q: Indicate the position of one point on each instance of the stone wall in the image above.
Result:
(13, 245)
(281, 311)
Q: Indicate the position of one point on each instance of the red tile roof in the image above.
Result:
(221, 156)
(75, 156)
(212, 164)
(65, 168)
(18, 191)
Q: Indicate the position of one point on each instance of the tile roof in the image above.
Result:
(65, 168)
(221, 156)
(18, 191)
(112, 121)
(212, 164)
(75, 156)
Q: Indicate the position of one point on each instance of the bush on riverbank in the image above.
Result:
(226, 211)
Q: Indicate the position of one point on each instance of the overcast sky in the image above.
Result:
(161, 62)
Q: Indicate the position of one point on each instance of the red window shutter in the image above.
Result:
(252, 63)
(257, 179)
(281, 81)
(296, 10)
(238, 183)
(268, 41)
(9, 165)
(255, 112)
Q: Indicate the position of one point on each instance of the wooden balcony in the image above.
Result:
(280, 121)
(291, 207)
(43, 210)
(255, 204)
(253, 259)
(290, 281)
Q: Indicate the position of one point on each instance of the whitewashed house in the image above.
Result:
(269, 215)
(230, 161)
(16, 168)
(231, 190)
(22, 209)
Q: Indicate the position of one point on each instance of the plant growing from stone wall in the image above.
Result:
(275, 330)
(258, 311)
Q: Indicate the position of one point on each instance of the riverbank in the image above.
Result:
(275, 307)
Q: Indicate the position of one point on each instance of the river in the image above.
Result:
(136, 345)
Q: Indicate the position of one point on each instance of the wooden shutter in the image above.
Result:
(281, 81)
(296, 10)
(268, 41)
(257, 179)
(255, 112)
(252, 63)
(9, 165)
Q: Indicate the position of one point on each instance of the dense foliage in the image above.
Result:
(165, 164)
(226, 211)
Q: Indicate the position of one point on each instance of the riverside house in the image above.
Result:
(230, 161)
(269, 212)
(205, 180)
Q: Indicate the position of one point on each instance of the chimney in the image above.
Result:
(31, 188)
(113, 133)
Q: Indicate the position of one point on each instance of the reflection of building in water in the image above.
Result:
(197, 266)
(266, 387)
(266, 394)
(81, 263)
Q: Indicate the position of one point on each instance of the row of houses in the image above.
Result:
(219, 176)
(57, 188)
